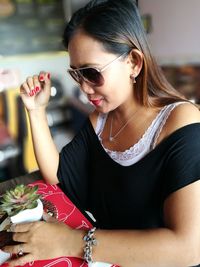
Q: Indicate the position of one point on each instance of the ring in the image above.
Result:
(20, 251)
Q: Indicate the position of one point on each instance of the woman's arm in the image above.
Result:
(46, 153)
(35, 93)
(177, 245)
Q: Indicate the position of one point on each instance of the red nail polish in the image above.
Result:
(37, 88)
(41, 78)
(49, 76)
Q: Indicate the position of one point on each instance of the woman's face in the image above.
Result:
(117, 89)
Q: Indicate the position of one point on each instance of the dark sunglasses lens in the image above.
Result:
(93, 76)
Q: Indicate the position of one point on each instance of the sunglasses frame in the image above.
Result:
(79, 77)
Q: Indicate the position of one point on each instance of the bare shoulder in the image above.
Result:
(93, 118)
(184, 114)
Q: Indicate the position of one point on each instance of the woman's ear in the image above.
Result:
(136, 57)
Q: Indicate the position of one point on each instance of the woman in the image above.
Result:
(135, 165)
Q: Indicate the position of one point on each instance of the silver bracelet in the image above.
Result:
(90, 241)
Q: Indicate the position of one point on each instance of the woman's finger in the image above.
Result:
(19, 249)
(45, 77)
(24, 89)
(36, 82)
(42, 76)
(23, 227)
(20, 261)
(21, 237)
(30, 83)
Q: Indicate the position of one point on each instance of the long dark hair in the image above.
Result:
(117, 25)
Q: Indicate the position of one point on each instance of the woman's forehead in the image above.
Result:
(82, 41)
(84, 49)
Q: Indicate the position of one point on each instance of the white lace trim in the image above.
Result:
(145, 144)
(169, 109)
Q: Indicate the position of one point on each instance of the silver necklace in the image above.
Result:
(112, 138)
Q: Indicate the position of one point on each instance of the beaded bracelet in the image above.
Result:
(90, 242)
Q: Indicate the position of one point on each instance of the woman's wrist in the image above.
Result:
(37, 114)
(79, 243)
(37, 110)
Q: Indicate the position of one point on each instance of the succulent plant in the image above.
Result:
(20, 198)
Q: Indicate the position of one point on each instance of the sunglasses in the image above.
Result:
(91, 75)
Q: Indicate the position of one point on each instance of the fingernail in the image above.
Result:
(41, 78)
(49, 76)
(31, 93)
(37, 88)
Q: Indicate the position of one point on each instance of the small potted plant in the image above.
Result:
(22, 204)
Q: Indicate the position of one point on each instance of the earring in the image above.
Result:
(133, 78)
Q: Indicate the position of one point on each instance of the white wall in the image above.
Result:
(176, 29)
(28, 65)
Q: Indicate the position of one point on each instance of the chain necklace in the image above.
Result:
(112, 137)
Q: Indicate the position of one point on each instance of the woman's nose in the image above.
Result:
(86, 88)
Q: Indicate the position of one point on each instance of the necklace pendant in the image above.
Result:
(111, 139)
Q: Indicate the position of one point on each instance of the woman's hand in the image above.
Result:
(45, 240)
(35, 92)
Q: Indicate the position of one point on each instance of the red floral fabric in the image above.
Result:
(66, 212)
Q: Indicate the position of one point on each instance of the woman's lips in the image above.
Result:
(96, 102)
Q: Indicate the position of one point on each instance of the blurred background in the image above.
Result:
(31, 41)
